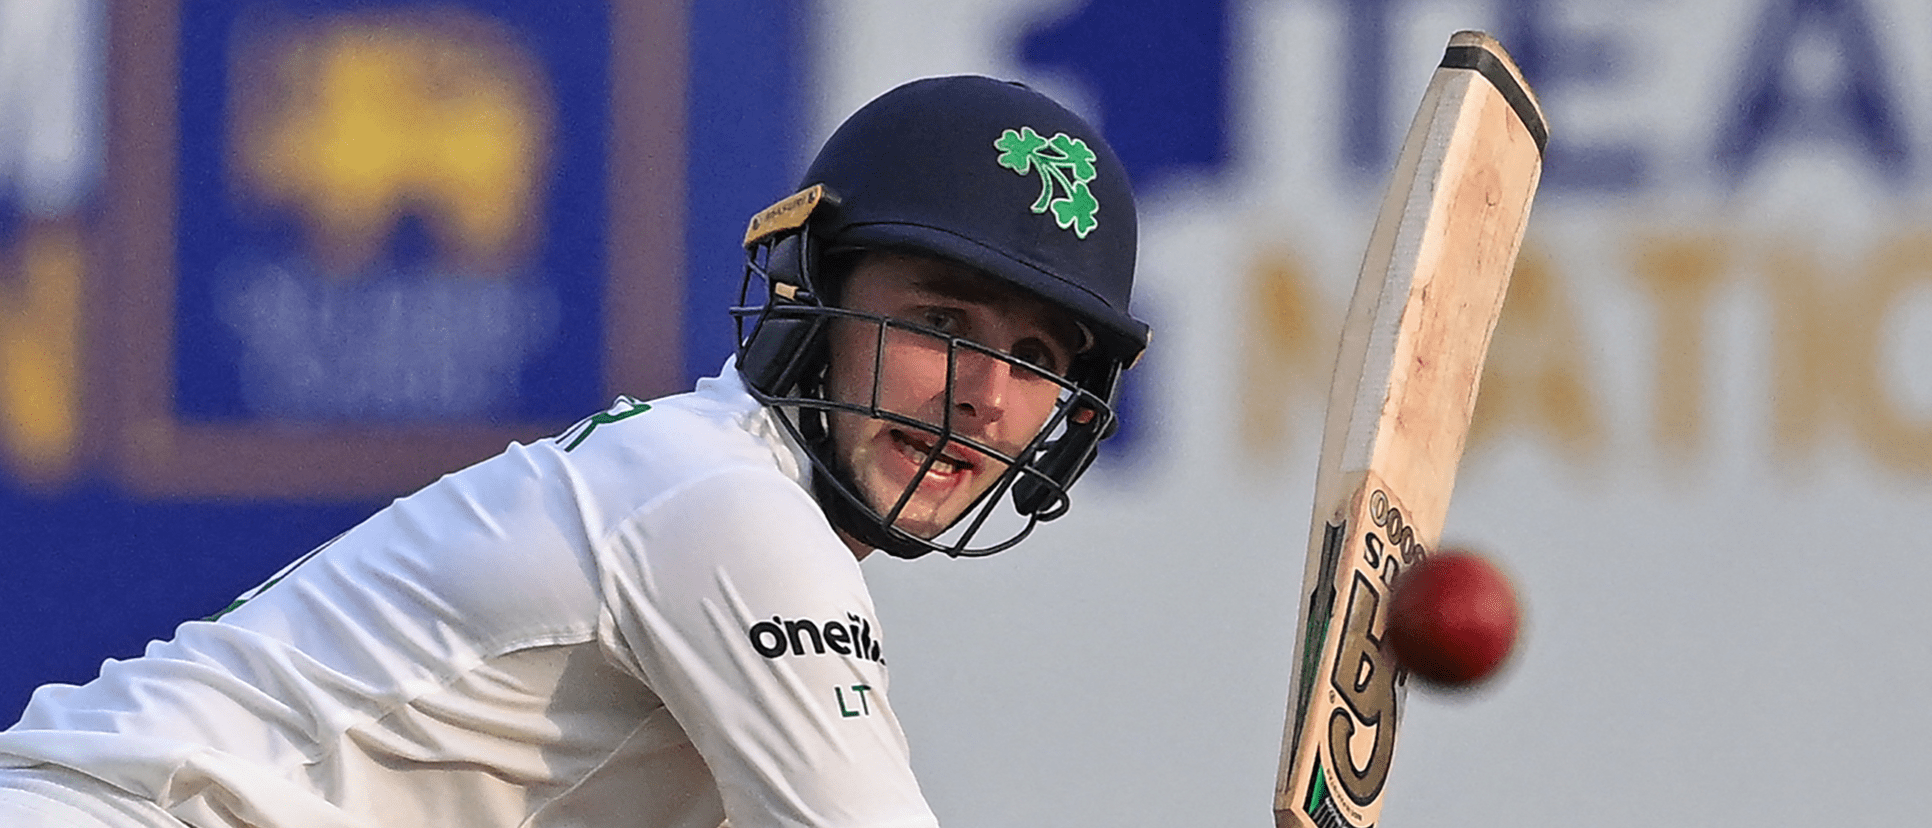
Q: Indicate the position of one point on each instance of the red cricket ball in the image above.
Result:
(1453, 619)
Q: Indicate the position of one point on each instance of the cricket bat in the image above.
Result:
(1411, 354)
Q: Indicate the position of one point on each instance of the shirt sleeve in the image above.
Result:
(737, 604)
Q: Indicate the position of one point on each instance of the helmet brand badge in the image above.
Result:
(1065, 165)
(789, 214)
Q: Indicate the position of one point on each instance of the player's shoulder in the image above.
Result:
(636, 450)
(717, 424)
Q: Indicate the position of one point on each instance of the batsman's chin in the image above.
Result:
(935, 506)
(932, 509)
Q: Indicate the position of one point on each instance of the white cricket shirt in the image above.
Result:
(645, 621)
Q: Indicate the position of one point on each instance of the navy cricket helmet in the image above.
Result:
(986, 173)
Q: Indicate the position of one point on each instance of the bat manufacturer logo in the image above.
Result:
(1396, 540)
(1320, 807)
(1065, 165)
(1365, 683)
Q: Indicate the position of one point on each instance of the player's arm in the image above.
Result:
(752, 622)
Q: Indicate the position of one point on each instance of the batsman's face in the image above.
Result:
(993, 401)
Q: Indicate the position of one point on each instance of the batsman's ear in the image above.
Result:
(784, 344)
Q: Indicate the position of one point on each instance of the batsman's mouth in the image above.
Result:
(916, 447)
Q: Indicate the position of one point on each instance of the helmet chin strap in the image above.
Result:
(839, 495)
(862, 523)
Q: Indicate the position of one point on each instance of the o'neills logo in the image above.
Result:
(783, 636)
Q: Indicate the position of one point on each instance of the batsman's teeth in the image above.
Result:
(918, 451)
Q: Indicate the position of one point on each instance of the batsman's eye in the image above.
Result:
(944, 320)
(1038, 353)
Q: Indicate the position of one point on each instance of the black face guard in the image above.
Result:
(783, 355)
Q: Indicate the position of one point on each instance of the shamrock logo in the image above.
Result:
(1065, 165)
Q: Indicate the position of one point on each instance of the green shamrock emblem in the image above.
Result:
(1065, 165)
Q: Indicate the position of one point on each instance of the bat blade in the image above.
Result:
(1418, 328)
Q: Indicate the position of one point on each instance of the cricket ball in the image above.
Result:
(1453, 619)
